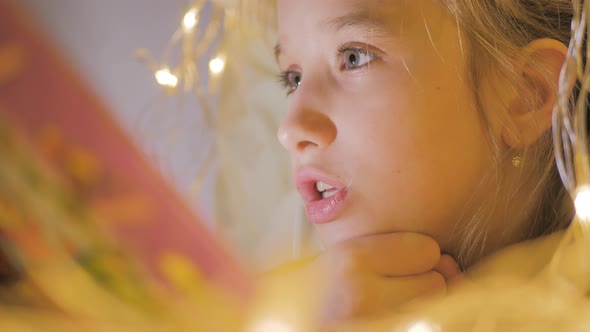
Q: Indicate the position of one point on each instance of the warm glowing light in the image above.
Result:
(423, 327)
(190, 20)
(166, 78)
(217, 65)
(272, 325)
(582, 203)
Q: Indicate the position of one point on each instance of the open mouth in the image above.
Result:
(314, 190)
(325, 190)
(324, 197)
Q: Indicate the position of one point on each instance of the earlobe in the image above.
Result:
(530, 112)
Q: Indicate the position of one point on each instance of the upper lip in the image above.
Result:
(305, 179)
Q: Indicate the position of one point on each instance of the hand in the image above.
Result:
(379, 273)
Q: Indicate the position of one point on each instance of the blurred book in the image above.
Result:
(87, 226)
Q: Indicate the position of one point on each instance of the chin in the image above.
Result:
(343, 229)
(336, 232)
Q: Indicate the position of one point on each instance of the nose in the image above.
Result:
(304, 129)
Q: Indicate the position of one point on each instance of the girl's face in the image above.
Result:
(381, 109)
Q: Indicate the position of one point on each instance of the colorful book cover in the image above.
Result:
(84, 217)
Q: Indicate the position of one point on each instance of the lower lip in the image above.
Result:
(327, 209)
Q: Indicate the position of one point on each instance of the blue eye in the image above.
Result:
(355, 57)
(290, 80)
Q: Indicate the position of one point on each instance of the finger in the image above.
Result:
(448, 267)
(391, 292)
(427, 287)
(365, 295)
(401, 290)
(391, 254)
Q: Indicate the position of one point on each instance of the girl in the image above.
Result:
(420, 127)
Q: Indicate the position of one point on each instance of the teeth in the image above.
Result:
(321, 187)
(325, 189)
(330, 193)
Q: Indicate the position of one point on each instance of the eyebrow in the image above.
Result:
(361, 20)
(278, 51)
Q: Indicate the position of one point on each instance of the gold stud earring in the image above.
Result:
(517, 161)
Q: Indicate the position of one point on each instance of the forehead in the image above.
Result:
(306, 19)
(324, 13)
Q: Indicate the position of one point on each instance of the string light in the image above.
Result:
(217, 65)
(582, 203)
(190, 46)
(423, 326)
(165, 78)
(183, 72)
(190, 20)
(272, 325)
(570, 138)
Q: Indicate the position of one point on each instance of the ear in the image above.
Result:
(530, 112)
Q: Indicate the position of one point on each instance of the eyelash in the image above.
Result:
(285, 77)
(364, 50)
(285, 81)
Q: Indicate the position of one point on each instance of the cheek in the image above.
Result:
(374, 127)
(414, 152)
(377, 120)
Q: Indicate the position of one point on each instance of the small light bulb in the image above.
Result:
(166, 78)
(272, 325)
(582, 203)
(423, 327)
(190, 20)
(217, 65)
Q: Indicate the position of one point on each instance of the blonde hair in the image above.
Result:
(496, 31)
